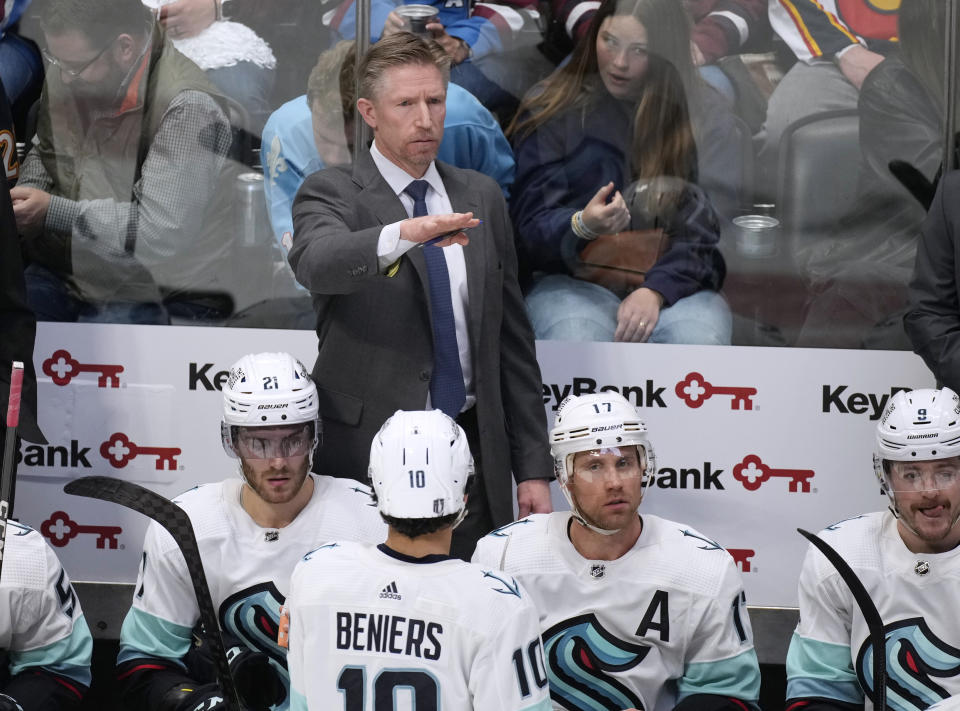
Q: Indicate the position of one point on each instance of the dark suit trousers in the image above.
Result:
(478, 521)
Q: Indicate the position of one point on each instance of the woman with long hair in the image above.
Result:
(628, 109)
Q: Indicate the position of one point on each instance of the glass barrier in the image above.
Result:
(675, 172)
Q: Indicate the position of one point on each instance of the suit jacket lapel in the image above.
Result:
(476, 253)
(376, 195)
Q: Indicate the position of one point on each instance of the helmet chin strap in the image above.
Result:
(583, 521)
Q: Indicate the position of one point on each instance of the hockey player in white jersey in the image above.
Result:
(251, 532)
(42, 631)
(909, 562)
(635, 611)
(404, 626)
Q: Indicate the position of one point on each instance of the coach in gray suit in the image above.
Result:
(402, 324)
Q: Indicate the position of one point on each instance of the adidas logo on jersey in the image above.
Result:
(391, 592)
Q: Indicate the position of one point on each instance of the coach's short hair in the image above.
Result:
(397, 50)
(98, 20)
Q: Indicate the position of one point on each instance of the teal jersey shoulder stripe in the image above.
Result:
(144, 635)
(69, 657)
(737, 676)
(821, 669)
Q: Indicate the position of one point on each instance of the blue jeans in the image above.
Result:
(562, 308)
(20, 66)
(51, 300)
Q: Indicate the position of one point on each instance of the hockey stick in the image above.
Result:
(871, 616)
(177, 523)
(9, 455)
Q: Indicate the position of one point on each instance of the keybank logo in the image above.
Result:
(61, 367)
(645, 395)
(53, 455)
(701, 477)
(199, 377)
(836, 398)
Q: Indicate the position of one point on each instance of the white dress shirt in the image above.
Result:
(390, 248)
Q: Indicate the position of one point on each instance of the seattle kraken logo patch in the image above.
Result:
(916, 660)
(253, 615)
(579, 652)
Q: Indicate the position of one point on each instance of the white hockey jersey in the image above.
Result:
(663, 622)
(373, 629)
(248, 567)
(830, 653)
(41, 624)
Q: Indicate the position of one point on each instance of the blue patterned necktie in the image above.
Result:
(447, 391)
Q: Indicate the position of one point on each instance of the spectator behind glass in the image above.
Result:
(122, 200)
(493, 47)
(234, 57)
(314, 131)
(616, 113)
(837, 43)
(720, 28)
(873, 250)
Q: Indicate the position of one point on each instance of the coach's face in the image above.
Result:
(406, 114)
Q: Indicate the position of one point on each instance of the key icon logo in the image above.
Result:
(119, 450)
(752, 472)
(62, 367)
(696, 390)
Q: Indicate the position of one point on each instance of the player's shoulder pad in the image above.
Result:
(521, 527)
(204, 504)
(845, 529)
(197, 496)
(491, 545)
(856, 539)
(26, 551)
(681, 555)
(330, 549)
(347, 487)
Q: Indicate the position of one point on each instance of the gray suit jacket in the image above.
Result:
(375, 343)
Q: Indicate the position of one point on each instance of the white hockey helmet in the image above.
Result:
(598, 421)
(267, 390)
(916, 425)
(420, 464)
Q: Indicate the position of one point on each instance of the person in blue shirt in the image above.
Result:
(493, 47)
(313, 131)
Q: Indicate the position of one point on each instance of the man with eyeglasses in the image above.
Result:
(909, 563)
(252, 531)
(636, 612)
(124, 196)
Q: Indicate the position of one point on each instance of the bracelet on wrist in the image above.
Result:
(580, 229)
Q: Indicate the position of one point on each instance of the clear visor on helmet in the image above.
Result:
(595, 464)
(932, 475)
(274, 442)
